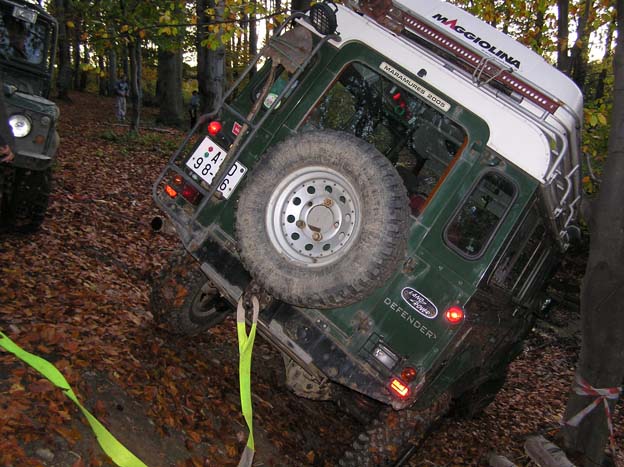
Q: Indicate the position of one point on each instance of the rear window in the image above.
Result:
(419, 139)
(476, 221)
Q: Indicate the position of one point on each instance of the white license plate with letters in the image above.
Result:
(207, 159)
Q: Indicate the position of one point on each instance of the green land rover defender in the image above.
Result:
(395, 185)
(27, 48)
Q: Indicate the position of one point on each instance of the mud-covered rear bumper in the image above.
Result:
(291, 330)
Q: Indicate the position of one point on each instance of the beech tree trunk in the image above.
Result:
(210, 63)
(600, 84)
(563, 55)
(579, 58)
(102, 84)
(540, 19)
(84, 74)
(253, 36)
(64, 77)
(169, 92)
(77, 58)
(134, 81)
(112, 71)
(601, 362)
(300, 5)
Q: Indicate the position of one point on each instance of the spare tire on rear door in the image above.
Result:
(323, 220)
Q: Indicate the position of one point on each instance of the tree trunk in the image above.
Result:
(112, 71)
(579, 56)
(210, 63)
(84, 74)
(134, 52)
(300, 5)
(601, 362)
(600, 84)
(563, 56)
(253, 36)
(102, 84)
(77, 58)
(540, 17)
(169, 92)
(63, 80)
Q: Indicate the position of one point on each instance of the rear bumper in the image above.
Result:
(294, 332)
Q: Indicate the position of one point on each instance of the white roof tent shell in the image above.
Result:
(541, 139)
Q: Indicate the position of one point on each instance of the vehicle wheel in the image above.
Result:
(27, 203)
(323, 220)
(392, 434)
(184, 299)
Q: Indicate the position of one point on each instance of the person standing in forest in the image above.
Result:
(194, 108)
(121, 92)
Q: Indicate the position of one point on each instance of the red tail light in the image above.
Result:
(399, 388)
(214, 128)
(454, 315)
(191, 194)
(408, 374)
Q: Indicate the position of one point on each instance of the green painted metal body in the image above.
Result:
(27, 86)
(445, 356)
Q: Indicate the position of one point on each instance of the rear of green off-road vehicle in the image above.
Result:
(27, 47)
(398, 238)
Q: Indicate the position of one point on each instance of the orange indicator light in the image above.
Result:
(399, 388)
(170, 191)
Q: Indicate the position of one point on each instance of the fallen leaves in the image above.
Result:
(77, 294)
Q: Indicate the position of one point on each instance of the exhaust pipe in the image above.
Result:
(158, 224)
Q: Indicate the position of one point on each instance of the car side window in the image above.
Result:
(476, 221)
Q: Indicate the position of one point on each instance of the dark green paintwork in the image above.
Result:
(431, 267)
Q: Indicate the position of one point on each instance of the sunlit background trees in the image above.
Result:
(167, 48)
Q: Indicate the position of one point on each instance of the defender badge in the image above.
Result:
(419, 302)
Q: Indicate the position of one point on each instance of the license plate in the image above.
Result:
(207, 159)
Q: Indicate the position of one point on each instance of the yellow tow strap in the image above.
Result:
(245, 346)
(113, 448)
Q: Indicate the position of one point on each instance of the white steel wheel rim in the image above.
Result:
(313, 216)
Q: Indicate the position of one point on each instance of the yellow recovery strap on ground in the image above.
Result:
(245, 346)
(113, 448)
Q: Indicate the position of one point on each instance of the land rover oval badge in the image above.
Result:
(419, 302)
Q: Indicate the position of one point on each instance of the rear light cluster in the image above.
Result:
(180, 187)
(399, 386)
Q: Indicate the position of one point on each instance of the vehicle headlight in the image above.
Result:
(20, 124)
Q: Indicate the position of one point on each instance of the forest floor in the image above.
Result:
(76, 293)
